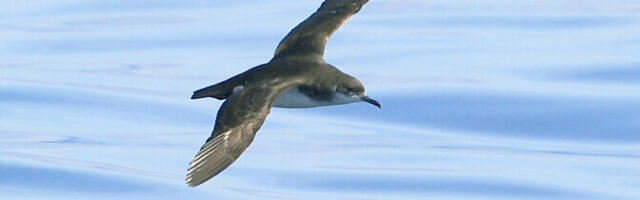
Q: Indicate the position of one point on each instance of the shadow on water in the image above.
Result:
(372, 184)
(97, 104)
(41, 178)
(629, 73)
(430, 185)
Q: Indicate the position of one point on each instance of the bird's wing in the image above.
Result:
(238, 119)
(310, 37)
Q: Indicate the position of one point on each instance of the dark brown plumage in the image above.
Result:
(297, 70)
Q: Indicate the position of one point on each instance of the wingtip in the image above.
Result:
(190, 182)
(191, 185)
(352, 6)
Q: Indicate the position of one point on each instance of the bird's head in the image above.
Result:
(352, 88)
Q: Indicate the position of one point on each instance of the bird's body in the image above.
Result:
(296, 77)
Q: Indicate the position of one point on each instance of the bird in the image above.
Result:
(296, 77)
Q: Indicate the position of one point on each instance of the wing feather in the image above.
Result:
(214, 158)
(237, 122)
(310, 37)
(243, 112)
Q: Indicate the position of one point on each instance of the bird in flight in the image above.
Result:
(296, 77)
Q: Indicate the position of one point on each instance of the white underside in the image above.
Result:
(292, 98)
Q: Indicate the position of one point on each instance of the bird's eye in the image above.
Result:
(355, 90)
(351, 90)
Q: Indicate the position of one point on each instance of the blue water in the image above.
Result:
(535, 99)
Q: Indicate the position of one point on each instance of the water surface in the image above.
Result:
(481, 100)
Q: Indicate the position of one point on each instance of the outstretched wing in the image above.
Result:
(310, 37)
(238, 119)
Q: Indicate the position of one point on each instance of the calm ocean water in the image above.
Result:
(534, 99)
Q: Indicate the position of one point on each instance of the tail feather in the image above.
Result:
(224, 89)
(218, 91)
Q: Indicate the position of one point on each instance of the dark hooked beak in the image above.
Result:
(371, 101)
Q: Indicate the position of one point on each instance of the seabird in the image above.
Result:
(296, 77)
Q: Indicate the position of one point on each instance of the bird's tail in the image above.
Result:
(218, 91)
